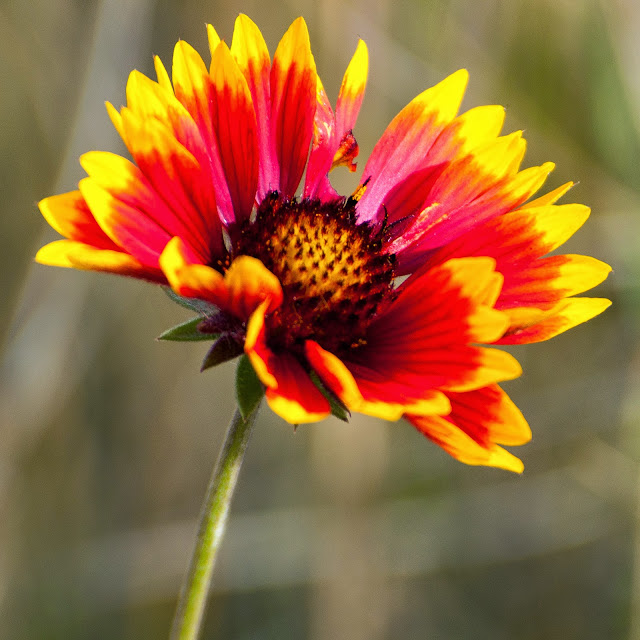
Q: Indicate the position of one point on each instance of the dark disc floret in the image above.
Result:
(333, 273)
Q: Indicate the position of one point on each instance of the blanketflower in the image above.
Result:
(379, 302)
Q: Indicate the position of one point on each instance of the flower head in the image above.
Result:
(381, 302)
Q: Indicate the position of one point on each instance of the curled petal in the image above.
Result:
(316, 182)
(245, 285)
(290, 392)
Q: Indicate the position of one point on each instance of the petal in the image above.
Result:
(517, 241)
(161, 73)
(70, 216)
(453, 188)
(290, 392)
(293, 104)
(358, 394)
(546, 281)
(213, 38)
(176, 195)
(533, 325)
(524, 234)
(479, 421)
(333, 140)
(448, 432)
(419, 346)
(252, 57)
(245, 285)
(422, 338)
(405, 143)
(451, 175)
(69, 253)
(441, 226)
(234, 123)
(323, 149)
(128, 226)
(549, 198)
(352, 90)
(194, 88)
(150, 101)
(467, 132)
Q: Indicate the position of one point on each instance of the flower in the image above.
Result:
(382, 302)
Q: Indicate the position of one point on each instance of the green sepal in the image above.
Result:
(337, 407)
(187, 332)
(249, 389)
(194, 304)
(222, 350)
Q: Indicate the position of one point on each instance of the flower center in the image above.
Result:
(332, 271)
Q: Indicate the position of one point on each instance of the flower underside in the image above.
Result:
(333, 274)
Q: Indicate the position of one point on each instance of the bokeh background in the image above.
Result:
(363, 531)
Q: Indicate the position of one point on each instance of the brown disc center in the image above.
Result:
(332, 271)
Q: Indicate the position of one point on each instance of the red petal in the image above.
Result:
(479, 421)
(70, 216)
(290, 392)
(252, 57)
(293, 104)
(533, 325)
(129, 227)
(234, 123)
(404, 145)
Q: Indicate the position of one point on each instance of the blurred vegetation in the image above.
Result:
(359, 531)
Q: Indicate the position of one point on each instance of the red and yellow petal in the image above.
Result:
(289, 390)
(524, 234)
(77, 255)
(479, 421)
(234, 123)
(404, 145)
(466, 133)
(359, 394)
(252, 57)
(70, 216)
(420, 345)
(528, 325)
(293, 105)
(167, 179)
(545, 281)
(316, 183)
(441, 226)
(352, 90)
(128, 226)
(246, 284)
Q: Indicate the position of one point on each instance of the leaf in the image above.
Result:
(249, 389)
(338, 409)
(193, 304)
(187, 332)
(222, 350)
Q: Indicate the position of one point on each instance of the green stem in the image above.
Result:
(193, 596)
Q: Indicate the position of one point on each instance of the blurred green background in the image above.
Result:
(363, 531)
